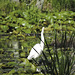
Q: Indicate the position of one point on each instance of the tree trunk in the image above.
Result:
(39, 4)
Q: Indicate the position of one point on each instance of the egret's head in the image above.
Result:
(43, 28)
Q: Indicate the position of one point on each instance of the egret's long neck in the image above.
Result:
(42, 39)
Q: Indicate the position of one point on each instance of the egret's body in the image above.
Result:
(38, 48)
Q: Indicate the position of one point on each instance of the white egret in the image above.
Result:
(38, 48)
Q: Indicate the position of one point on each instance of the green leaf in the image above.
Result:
(22, 54)
(27, 31)
(4, 22)
(24, 23)
(19, 20)
(11, 72)
(33, 68)
(11, 63)
(4, 28)
(25, 15)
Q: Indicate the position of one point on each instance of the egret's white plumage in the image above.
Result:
(38, 48)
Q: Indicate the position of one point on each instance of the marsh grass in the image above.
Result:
(59, 64)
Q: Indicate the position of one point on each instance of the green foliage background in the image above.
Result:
(19, 19)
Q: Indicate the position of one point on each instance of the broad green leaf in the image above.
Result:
(4, 28)
(11, 72)
(27, 31)
(19, 20)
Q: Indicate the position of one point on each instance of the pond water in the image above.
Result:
(13, 51)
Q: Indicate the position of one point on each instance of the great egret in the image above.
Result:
(38, 48)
